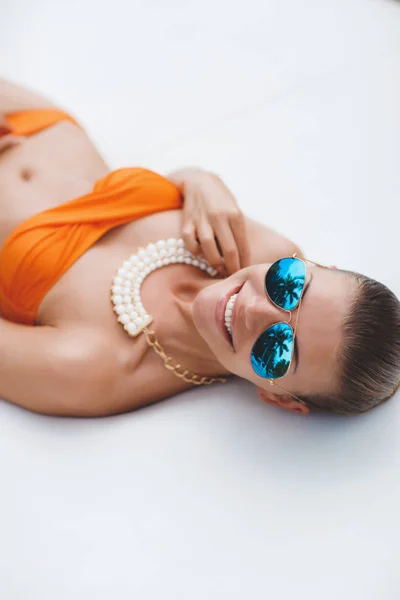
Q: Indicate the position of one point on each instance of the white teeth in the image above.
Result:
(228, 312)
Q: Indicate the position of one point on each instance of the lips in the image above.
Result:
(220, 313)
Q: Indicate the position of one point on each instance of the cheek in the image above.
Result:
(239, 364)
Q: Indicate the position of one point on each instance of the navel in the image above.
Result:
(26, 174)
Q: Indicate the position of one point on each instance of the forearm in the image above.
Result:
(189, 176)
(15, 98)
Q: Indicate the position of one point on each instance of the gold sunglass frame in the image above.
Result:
(294, 331)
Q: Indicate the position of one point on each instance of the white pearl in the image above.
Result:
(131, 328)
(228, 312)
(126, 285)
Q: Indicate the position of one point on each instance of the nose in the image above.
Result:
(260, 313)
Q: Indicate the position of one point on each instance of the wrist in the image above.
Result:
(184, 177)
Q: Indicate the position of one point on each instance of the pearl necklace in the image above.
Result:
(125, 296)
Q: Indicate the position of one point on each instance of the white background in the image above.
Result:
(211, 494)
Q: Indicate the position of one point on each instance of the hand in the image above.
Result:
(213, 224)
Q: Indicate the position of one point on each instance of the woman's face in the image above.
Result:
(325, 302)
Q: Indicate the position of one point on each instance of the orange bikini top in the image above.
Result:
(42, 248)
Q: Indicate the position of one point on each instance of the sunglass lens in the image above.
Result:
(284, 282)
(272, 352)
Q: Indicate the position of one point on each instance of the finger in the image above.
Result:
(238, 228)
(189, 237)
(228, 246)
(208, 244)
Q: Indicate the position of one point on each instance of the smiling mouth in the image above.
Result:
(226, 314)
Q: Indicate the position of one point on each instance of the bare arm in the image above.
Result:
(14, 98)
(53, 372)
(208, 199)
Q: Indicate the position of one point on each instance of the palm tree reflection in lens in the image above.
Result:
(284, 282)
(272, 352)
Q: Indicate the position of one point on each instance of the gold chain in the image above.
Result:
(177, 369)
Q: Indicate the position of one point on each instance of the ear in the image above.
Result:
(283, 401)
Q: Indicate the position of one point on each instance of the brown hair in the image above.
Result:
(368, 369)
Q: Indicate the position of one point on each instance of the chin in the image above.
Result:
(203, 309)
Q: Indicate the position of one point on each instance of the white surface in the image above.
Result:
(211, 494)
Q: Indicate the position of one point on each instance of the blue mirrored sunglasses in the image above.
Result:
(272, 352)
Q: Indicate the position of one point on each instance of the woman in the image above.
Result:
(67, 226)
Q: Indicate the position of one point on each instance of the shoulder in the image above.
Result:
(266, 244)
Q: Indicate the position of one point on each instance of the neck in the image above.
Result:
(187, 345)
